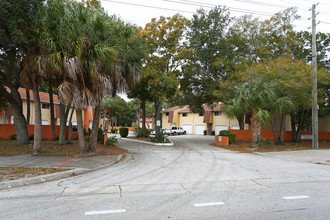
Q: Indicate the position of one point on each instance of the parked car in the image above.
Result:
(164, 130)
(177, 130)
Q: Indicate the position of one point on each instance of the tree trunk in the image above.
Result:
(95, 126)
(293, 128)
(52, 116)
(61, 139)
(241, 122)
(138, 118)
(256, 129)
(80, 125)
(158, 109)
(281, 139)
(37, 121)
(273, 123)
(70, 128)
(20, 125)
(143, 108)
(28, 109)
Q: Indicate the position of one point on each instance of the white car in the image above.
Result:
(177, 130)
(164, 130)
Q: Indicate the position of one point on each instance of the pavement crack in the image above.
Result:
(184, 188)
(260, 183)
(120, 191)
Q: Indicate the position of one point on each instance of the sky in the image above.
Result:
(140, 12)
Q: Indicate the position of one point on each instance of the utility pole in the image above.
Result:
(315, 120)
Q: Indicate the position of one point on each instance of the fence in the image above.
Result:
(245, 135)
(8, 129)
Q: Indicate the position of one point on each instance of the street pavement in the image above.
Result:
(190, 180)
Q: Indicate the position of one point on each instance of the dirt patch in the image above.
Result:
(14, 173)
(245, 147)
(52, 148)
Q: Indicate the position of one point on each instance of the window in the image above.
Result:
(45, 106)
(200, 114)
(217, 113)
(184, 114)
(167, 113)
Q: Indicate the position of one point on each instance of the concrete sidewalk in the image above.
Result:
(77, 165)
(319, 156)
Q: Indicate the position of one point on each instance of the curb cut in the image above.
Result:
(150, 143)
(55, 176)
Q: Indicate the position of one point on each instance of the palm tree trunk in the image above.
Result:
(80, 125)
(28, 109)
(37, 121)
(70, 128)
(61, 139)
(256, 129)
(51, 103)
(93, 137)
(273, 123)
(143, 108)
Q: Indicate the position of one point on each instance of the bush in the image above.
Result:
(160, 138)
(112, 140)
(231, 136)
(31, 137)
(87, 137)
(100, 135)
(114, 130)
(205, 132)
(213, 133)
(123, 132)
(12, 137)
(138, 132)
(262, 142)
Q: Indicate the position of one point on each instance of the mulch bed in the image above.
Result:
(245, 147)
(52, 148)
(13, 173)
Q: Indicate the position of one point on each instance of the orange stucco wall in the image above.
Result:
(224, 140)
(8, 129)
(245, 135)
(129, 128)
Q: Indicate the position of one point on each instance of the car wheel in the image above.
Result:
(184, 132)
(174, 133)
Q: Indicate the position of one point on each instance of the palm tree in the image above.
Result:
(253, 97)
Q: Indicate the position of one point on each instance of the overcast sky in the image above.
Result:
(141, 12)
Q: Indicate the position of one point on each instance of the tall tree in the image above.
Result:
(209, 59)
(162, 65)
(16, 21)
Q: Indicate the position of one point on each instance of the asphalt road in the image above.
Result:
(191, 180)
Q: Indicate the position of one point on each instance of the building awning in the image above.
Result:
(170, 117)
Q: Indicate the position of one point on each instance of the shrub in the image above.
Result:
(205, 132)
(213, 133)
(160, 137)
(228, 134)
(138, 132)
(12, 137)
(123, 132)
(262, 141)
(114, 130)
(100, 135)
(148, 131)
(87, 137)
(112, 140)
(31, 137)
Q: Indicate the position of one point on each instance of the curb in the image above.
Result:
(150, 143)
(55, 176)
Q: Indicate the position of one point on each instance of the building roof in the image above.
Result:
(175, 108)
(44, 97)
(206, 108)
